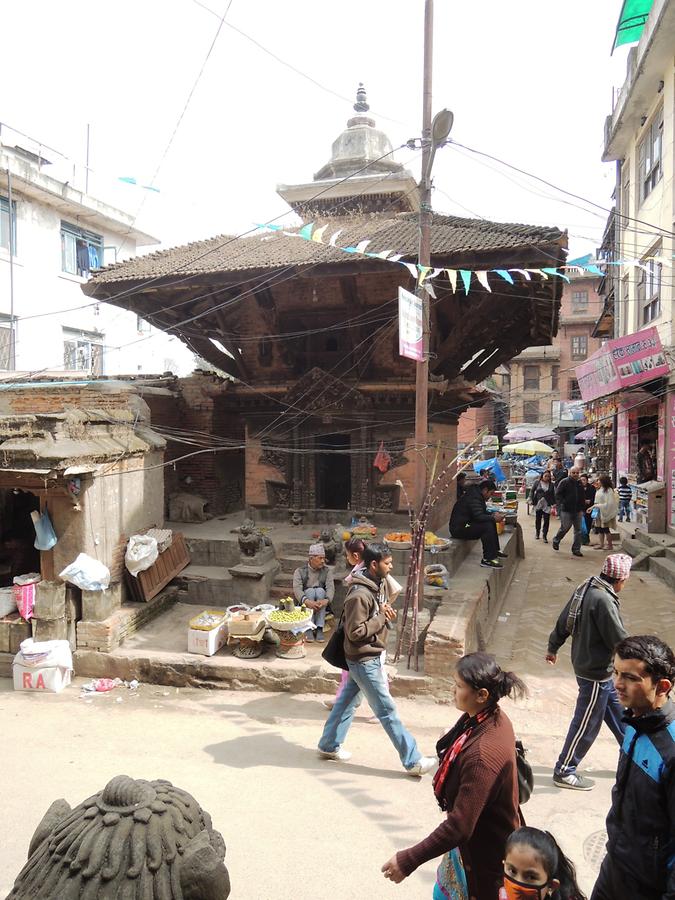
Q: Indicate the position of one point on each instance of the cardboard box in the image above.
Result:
(207, 638)
(48, 679)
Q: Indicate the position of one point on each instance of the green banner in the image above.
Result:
(631, 22)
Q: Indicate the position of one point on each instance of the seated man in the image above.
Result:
(314, 586)
(470, 520)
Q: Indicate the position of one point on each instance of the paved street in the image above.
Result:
(297, 827)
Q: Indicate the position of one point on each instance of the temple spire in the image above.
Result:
(361, 105)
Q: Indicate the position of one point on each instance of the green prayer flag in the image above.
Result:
(631, 22)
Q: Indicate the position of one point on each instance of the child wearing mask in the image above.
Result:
(535, 868)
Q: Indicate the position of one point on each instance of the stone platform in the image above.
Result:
(462, 619)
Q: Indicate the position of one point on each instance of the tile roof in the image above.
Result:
(450, 236)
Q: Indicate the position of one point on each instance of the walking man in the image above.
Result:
(365, 624)
(593, 619)
(470, 520)
(569, 497)
(314, 585)
(640, 861)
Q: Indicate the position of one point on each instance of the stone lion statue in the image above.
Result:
(133, 840)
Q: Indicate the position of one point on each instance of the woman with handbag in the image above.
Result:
(607, 506)
(476, 785)
(542, 498)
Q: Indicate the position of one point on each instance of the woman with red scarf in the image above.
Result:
(476, 785)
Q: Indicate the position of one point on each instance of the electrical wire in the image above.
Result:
(179, 121)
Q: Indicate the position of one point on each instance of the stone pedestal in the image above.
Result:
(253, 577)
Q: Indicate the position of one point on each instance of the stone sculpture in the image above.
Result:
(251, 539)
(332, 544)
(133, 840)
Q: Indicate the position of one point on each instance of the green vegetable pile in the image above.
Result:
(299, 614)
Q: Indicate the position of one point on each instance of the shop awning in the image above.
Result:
(634, 14)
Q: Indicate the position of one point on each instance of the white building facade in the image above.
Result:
(639, 138)
(51, 239)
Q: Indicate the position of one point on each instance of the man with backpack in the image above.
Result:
(592, 618)
(366, 614)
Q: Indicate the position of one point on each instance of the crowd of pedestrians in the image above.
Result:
(486, 851)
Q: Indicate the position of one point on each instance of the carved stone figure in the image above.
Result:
(332, 544)
(251, 539)
(135, 839)
(296, 519)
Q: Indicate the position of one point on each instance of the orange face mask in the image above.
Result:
(517, 890)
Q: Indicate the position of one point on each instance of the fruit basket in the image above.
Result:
(434, 542)
(399, 540)
(281, 620)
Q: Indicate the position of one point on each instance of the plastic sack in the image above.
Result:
(437, 576)
(142, 551)
(25, 587)
(45, 536)
(584, 527)
(44, 653)
(87, 573)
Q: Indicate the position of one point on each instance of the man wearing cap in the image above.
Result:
(314, 586)
(592, 617)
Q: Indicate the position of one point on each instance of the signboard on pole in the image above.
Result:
(410, 325)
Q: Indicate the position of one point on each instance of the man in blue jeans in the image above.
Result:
(592, 618)
(366, 614)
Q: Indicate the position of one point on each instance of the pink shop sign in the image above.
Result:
(622, 363)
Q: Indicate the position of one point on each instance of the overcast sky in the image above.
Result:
(529, 81)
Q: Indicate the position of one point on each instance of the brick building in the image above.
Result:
(307, 336)
(542, 377)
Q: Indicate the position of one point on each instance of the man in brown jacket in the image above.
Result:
(366, 615)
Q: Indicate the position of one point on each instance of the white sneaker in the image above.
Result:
(423, 766)
(340, 755)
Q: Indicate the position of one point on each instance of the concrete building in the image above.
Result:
(544, 389)
(639, 304)
(51, 238)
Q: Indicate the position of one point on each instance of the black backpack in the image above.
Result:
(525, 775)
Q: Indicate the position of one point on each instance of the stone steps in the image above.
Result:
(205, 586)
(664, 568)
(213, 551)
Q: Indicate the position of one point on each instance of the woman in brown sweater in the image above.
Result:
(476, 785)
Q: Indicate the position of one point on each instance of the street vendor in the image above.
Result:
(314, 586)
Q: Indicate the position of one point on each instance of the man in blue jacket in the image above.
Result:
(640, 861)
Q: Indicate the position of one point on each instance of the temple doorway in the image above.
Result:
(333, 472)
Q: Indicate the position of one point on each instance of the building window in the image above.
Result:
(579, 301)
(81, 250)
(7, 342)
(82, 351)
(573, 392)
(625, 300)
(142, 325)
(579, 346)
(531, 378)
(625, 197)
(4, 224)
(531, 411)
(650, 156)
(649, 288)
(555, 377)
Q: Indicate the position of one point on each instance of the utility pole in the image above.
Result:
(424, 256)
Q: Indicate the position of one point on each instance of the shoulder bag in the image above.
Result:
(334, 651)
(525, 774)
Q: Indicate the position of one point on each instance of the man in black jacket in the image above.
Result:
(470, 520)
(569, 497)
(640, 861)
